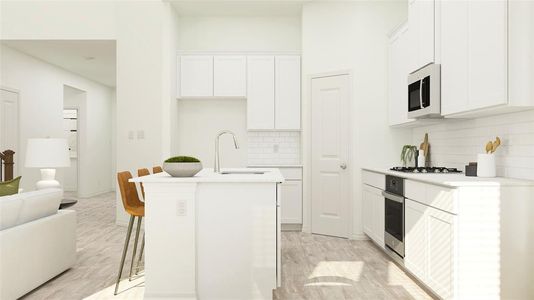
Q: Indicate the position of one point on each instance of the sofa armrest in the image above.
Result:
(35, 252)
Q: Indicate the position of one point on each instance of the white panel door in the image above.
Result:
(229, 76)
(9, 124)
(260, 92)
(416, 239)
(330, 152)
(379, 216)
(196, 76)
(440, 252)
(287, 92)
(291, 205)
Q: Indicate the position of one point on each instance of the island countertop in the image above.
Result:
(207, 175)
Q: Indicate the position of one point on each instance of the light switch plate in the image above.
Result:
(130, 135)
(181, 209)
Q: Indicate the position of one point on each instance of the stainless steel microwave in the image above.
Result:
(424, 92)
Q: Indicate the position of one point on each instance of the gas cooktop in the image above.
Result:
(440, 170)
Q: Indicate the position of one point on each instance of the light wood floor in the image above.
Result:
(314, 267)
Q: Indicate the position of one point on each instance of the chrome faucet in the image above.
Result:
(217, 168)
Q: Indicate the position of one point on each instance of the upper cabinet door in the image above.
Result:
(230, 76)
(473, 55)
(196, 76)
(287, 92)
(260, 92)
(399, 67)
(421, 23)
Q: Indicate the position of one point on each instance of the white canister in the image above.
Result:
(421, 159)
(486, 165)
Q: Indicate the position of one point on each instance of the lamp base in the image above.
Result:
(48, 180)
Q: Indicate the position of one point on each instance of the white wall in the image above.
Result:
(199, 121)
(41, 114)
(353, 35)
(234, 33)
(144, 70)
(454, 143)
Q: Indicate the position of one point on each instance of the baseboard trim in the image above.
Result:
(359, 237)
(95, 194)
(292, 227)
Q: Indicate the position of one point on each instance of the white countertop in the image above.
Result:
(207, 175)
(454, 180)
(274, 166)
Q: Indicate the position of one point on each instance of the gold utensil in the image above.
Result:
(495, 145)
(489, 147)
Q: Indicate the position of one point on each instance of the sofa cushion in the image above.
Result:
(9, 210)
(9, 187)
(39, 204)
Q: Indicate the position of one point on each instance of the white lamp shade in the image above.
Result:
(47, 153)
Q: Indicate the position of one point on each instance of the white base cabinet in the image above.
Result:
(429, 236)
(470, 242)
(373, 214)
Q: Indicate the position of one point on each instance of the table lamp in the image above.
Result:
(47, 154)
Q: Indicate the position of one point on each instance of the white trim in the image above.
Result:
(359, 237)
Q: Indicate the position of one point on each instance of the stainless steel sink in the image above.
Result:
(242, 172)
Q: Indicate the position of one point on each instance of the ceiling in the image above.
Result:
(244, 8)
(92, 59)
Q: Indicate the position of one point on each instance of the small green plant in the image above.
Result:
(182, 159)
(408, 153)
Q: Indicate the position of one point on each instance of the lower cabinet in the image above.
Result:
(291, 202)
(429, 252)
(373, 214)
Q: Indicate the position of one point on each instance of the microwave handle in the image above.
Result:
(421, 93)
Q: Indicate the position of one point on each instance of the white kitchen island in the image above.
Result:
(212, 236)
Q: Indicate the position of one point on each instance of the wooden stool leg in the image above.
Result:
(124, 250)
(139, 219)
(140, 254)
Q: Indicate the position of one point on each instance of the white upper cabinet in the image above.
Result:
(260, 92)
(229, 76)
(486, 57)
(473, 55)
(421, 23)
(287, 92)
(196, 76)
(399, 67)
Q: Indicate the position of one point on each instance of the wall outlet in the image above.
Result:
(275, 148)
(181, 210)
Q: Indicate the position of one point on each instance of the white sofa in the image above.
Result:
(37, 242)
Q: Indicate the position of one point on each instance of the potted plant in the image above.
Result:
(182, 166)
(408, 154)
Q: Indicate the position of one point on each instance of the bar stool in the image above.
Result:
(135, 208)
(157, 169)
(141, 172)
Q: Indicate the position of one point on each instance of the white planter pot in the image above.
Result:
(486, 165)
(182, 169)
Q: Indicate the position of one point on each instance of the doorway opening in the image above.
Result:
(73, 105)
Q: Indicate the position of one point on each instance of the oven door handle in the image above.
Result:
(393, 197)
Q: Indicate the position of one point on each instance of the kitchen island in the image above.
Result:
(212, 236)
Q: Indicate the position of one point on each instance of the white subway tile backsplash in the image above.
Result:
(273, 147)
(454, 143)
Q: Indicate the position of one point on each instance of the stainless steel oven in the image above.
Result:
(394, 215)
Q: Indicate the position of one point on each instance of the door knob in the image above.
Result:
(343, 166)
